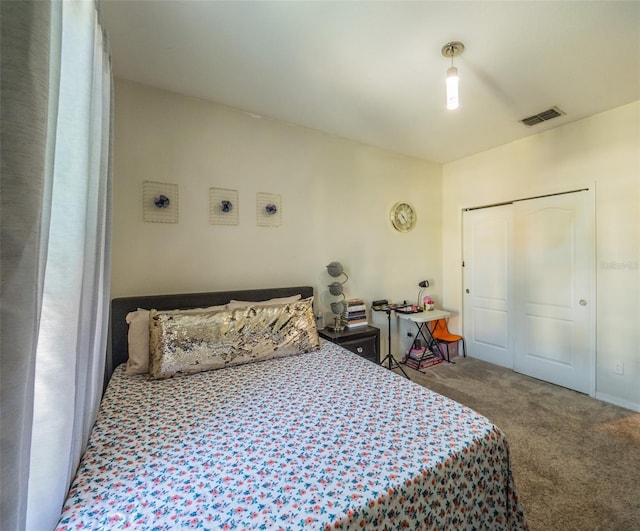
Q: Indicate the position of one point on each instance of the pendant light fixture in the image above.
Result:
(451, 49)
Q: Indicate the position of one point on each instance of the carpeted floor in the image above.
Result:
(576, 460)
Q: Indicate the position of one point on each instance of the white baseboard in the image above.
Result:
(618, 402)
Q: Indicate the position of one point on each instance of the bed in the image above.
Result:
(318, 440)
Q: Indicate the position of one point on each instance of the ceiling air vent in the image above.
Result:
(543, 116)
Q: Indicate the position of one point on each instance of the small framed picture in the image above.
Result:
(268, 210)
(159, 202)
(224, 208)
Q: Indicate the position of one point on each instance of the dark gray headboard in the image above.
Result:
(120, 307)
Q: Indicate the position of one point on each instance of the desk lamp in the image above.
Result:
(423, 284)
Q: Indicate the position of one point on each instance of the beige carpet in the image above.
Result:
(576, 460)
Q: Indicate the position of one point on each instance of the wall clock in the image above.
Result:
(403, 217)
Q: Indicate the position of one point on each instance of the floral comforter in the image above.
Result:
(323, 440)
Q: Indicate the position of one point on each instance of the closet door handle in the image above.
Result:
(582, 302)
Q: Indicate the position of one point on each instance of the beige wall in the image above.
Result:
(336, 196)
(603, 150)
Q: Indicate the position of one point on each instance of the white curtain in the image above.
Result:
(63, 380)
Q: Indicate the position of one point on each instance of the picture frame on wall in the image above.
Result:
(160, 202)
(268, 210)
(224, 207)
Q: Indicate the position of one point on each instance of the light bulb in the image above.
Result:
(452, 88)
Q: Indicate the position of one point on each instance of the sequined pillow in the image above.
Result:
(138, 337)
(233, 304)
(188, 343)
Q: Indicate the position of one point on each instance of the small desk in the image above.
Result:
(421, 319)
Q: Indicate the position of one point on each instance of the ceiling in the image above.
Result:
(373, 71)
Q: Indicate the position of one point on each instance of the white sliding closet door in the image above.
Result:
(488, 279)
(554, 325)
(528, 287)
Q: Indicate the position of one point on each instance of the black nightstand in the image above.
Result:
(363, 341)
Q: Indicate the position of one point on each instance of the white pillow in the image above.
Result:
(138, 336)
(138, 362)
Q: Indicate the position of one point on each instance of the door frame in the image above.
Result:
(589, 189)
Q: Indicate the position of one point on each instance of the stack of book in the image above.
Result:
(356, 314)
(420, 357)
